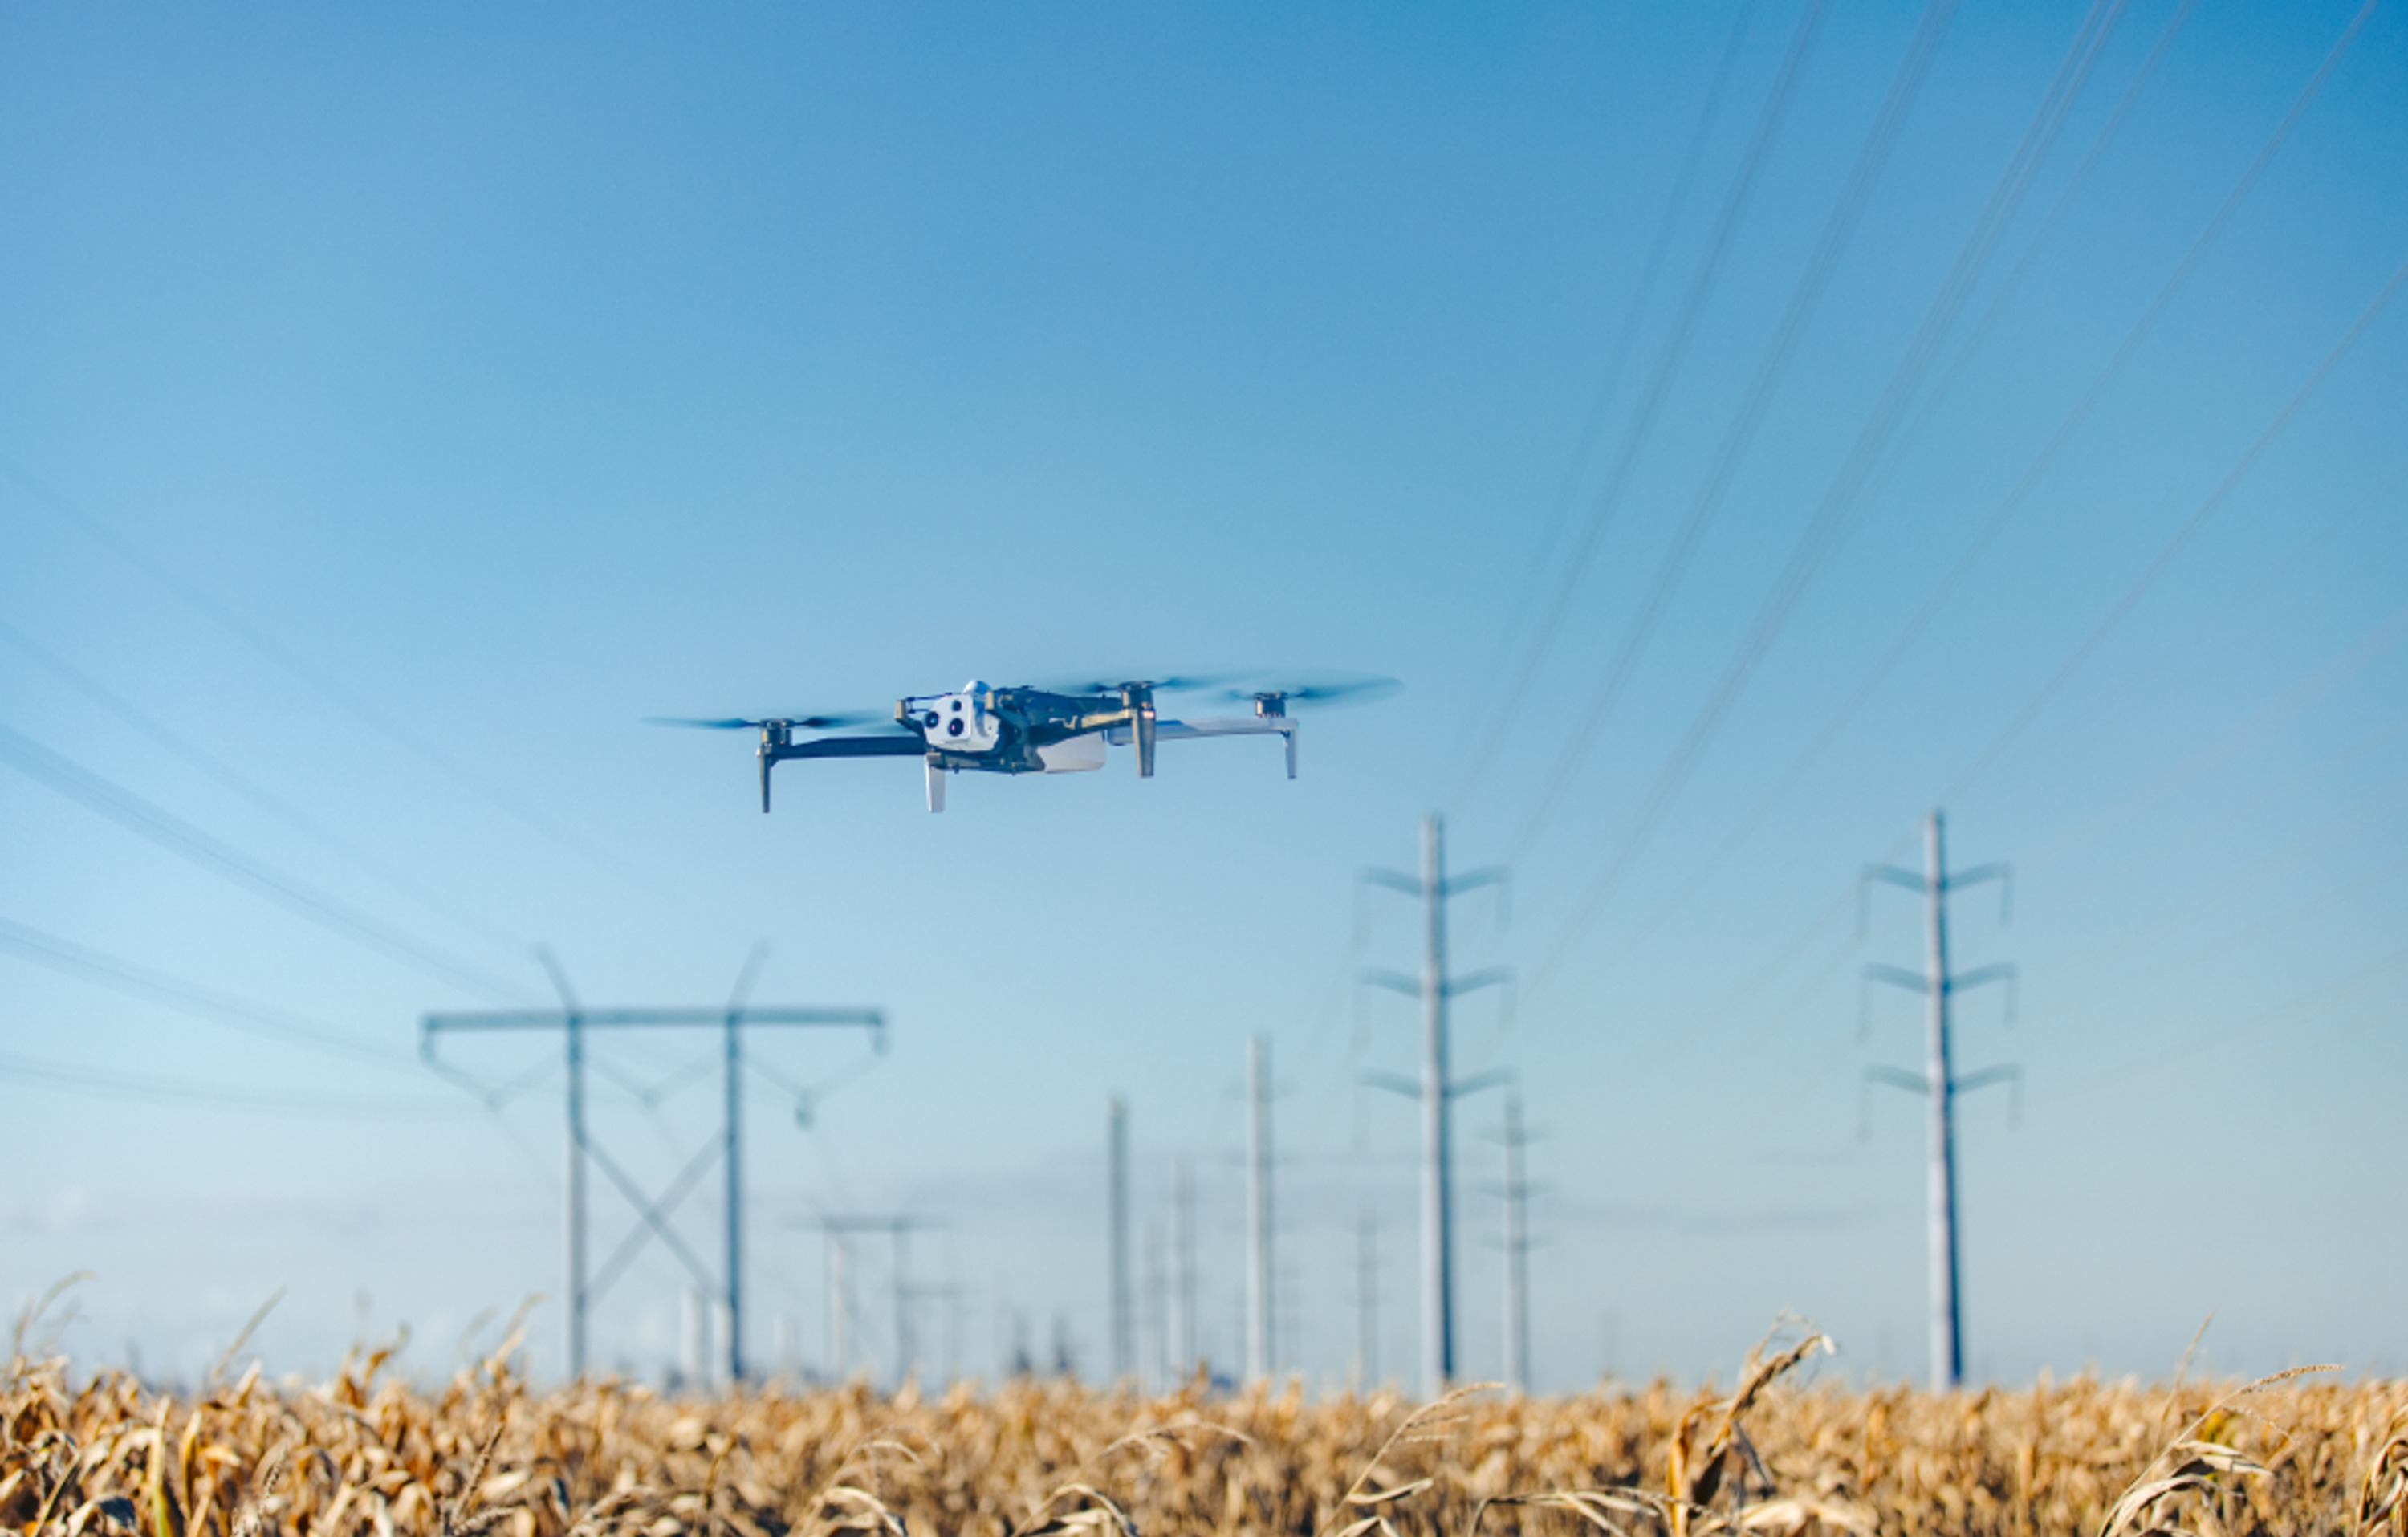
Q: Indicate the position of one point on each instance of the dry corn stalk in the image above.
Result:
(98, 1454)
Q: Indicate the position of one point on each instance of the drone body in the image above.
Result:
(979, 728)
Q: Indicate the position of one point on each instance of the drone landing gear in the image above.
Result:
(936, 784)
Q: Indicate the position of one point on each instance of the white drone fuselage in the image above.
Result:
(978, 729)
(963, 724)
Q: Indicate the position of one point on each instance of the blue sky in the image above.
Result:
(397, 407)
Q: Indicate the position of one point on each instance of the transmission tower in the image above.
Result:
(1182, 1260)
(573, 1020)
(1437, 1090)
(1123, 1342)
(1515, 1141)
(901, 1294)
(1367, 1298)
(1260, 1298)
(1937, 1082)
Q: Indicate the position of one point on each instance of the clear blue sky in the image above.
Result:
(396, 406)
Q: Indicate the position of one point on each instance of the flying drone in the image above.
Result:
(1058, 729)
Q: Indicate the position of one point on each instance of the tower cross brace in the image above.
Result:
(573, 1019)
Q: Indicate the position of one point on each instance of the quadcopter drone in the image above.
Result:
(1063, 729)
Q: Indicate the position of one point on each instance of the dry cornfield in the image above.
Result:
(367, 1455)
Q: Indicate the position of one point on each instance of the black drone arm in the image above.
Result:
(772, 754)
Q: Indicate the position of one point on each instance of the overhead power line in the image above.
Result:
(1542, 556)
(1674, 772)
(1806, 562)
(104, 1084)
(2318, 1003)
(251, 790)
(2385, 636)
(1658, 389)
(74, 960)
(2184, 534)
(328, 687)
(221, 858)
(2013, 282)
(1755, 402)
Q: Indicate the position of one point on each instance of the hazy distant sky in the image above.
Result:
(398, 404)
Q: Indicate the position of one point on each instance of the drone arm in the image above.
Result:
(772, 754)
(1218, 726)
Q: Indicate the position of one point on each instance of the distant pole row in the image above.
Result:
(1171, 1328)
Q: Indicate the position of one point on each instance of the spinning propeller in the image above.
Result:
(796, 723)
(1191, 683)
(1321, 693)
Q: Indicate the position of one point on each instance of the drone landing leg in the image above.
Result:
(935, 786)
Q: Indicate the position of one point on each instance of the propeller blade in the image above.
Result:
(842, 718)
(1321, 691)
(1178, 684)
(798, 723)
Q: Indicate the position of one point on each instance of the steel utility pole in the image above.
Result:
(1518, 1249)
(1182, 1247)
(1154, 1337)
(1366, 1299)
(1123, 1351)
(1937, 1082)
(840, 1307)
(1258, 1209)
(1436, 1090)
(573, 1020)
(901, 1293)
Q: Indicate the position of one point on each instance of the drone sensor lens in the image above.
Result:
(953, 727)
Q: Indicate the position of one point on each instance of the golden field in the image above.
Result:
(366, 1455)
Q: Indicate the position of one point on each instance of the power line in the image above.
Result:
(74, 960)
(1659, 388)
(104, 1084)
(328, 687)
(251, 790)
(2343, 831)
(2184, 534)
(2013, 282)
(2377, 642)
(1807, 559)
(1772, 372)
(1676, 769)
(179, 836)
(2322, 998)
(2228, 943)
(2192, 833)
(2260, 723)
(1684, 181)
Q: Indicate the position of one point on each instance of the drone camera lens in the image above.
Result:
(953, 728)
